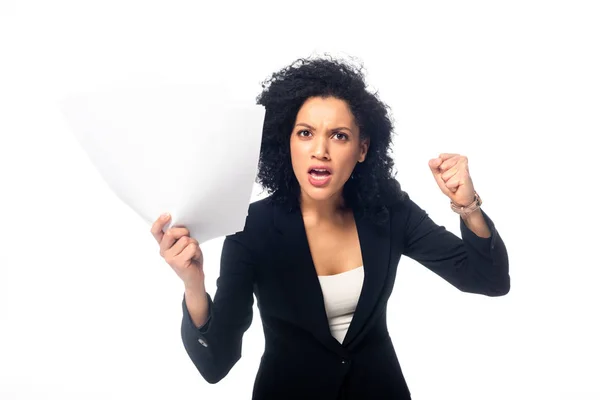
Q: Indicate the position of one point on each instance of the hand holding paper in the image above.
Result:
(189, 150)
(181, 252)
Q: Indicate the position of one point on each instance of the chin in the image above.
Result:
(318, 194)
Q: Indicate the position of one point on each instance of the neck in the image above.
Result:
(323, 211)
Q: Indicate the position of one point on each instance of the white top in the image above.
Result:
(341, 292)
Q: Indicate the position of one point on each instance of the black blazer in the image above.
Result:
(271, 259)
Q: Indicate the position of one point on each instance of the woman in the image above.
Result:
(320, 253)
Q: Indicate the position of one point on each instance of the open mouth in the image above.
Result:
(319, 173)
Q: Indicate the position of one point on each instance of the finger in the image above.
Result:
(450, 173)
(173, 243)
(434, 165)
(186, 254)
(445, 156)
(178, 247)
(460, 167)
(170, 237)
(449, 163)
(158, 225)
(198, 254)
(454, 182)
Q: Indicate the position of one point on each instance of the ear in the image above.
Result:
(364, 148)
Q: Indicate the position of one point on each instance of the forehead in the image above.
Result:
(325, 109)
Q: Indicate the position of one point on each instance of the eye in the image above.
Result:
(300, 133)
(340, 136)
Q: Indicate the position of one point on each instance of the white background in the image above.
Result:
(89, 310)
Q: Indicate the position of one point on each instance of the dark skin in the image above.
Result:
(325, 133)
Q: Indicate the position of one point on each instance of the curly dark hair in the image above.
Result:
(372, 188)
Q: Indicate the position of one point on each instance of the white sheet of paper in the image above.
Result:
(190, 150)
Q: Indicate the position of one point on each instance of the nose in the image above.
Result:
(320, 148)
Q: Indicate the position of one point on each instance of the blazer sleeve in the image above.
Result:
(215, 347)
(472, 264)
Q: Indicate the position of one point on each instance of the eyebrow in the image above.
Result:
(334, 129)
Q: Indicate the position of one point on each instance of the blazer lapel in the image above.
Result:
(375, 248)
(302, 282)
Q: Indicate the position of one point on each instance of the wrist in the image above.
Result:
(469, 209)
(195, 287)
(472, 215)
